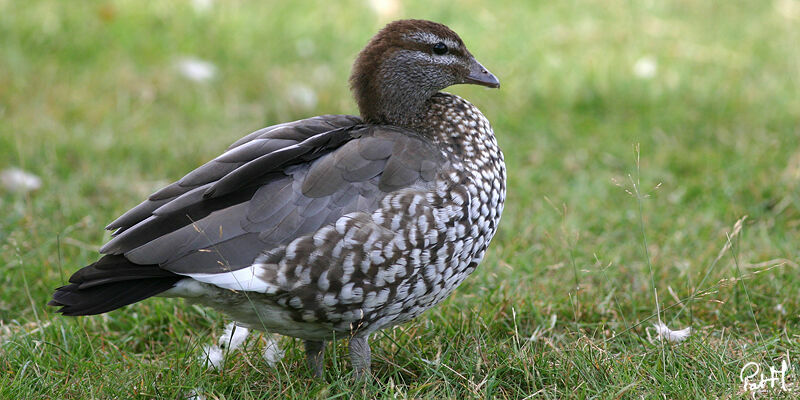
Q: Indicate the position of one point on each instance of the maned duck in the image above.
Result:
(330, 227)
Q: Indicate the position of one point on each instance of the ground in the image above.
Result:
(653, 150)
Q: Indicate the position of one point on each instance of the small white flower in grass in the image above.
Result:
(196, 69)
(385, 9)
(671, 336)
(195, 394)
(302, 96)
(272, 351)
(789, 9)
(304, 47)
(539, 332)
(212, 356)
(17, 180)
(5, 333)
(202, 6)
(779, 308)
(322, 74)
(233, 337)
(645, 68)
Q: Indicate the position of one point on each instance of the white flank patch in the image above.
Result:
(233, 337)
(196, 70)
(272, 351)
(19, 181)
(645, 68)
(664, 332)
(244, 279)
(212, 356)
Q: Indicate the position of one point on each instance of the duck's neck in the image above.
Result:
(393, 105)
(383, 99)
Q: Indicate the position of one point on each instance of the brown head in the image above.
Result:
(405, 64)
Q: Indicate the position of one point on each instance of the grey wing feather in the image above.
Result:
(299, 131)
(375, 148)
(267, 201)
(412, 159)
(264, 139)
(323, 179)
(307, 150)
(236, 251)
(219, 226)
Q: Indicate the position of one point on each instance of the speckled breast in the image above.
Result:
(424, 242)
(469, 199)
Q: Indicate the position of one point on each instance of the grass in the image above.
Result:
(623, 193)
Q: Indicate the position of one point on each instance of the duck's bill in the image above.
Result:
(479, 75)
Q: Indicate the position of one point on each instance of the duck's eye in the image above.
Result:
(440, 48)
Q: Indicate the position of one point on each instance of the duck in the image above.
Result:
(335, 226)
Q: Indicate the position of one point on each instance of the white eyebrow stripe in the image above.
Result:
(430, 38)
(447, 59)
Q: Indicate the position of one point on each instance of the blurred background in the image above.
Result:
(636, 134)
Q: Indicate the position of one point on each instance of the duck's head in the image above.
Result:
(405, 64)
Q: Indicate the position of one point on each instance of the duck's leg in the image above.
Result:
(360, 356)
(315, 355)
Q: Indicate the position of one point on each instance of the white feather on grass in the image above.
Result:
(196, 70)
(212, 356)
(233, 337)
(19, 181)
(663, 332)
(195, 394)
(272, 351)
(645, 68)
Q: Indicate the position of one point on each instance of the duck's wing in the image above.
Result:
(267, 190)
(260, 143)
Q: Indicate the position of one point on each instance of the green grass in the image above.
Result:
(90, 101)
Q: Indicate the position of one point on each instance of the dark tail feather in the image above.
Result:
(110, 283)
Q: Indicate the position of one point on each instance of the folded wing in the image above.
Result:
(269, 188)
